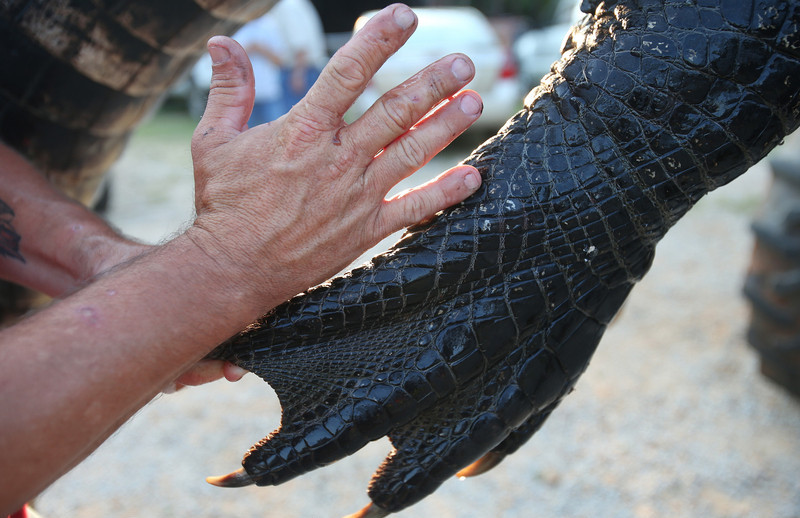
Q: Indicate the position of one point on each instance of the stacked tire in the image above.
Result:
(772, 286)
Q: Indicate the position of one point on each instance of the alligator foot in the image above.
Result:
(462, 339)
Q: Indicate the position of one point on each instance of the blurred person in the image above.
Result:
(279, 208)
(304, 53)
(265, 46)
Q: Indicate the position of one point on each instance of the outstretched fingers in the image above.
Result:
(336, 175)
(423, 202)
(401, 129)
(415, 148)
(349, 71)
(407, 139)
(404, 106)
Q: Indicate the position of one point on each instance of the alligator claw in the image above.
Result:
(482, 465)
(369, 511)
(461, 340)
(238, 478)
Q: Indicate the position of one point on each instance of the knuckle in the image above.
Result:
(437, 86)
(417, 207)
(349, 72)
(349, 157)
(411, 152)
(397, 114)
(303, 128)
(204, 138)
(197, 146)
(433, 82)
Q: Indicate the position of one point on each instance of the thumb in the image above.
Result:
(230, 98)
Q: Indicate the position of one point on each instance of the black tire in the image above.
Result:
(772, 286)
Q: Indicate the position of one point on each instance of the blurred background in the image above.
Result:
(512, 44)
(671, 419)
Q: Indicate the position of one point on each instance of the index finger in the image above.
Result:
(349, 70)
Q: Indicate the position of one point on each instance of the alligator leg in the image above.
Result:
(462, 339)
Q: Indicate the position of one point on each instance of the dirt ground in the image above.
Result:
(671, 419)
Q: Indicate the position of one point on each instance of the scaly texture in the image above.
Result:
(460, 340)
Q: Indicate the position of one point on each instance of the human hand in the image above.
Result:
(206, 371)
(72, 247)
(284, 206)
(63, 245)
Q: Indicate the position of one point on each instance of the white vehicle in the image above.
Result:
(538, 49)
(445, 30)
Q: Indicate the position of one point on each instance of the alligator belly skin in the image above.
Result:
(460, 341)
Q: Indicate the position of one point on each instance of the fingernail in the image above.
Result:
(472, 180)
(233, 372)
(461, 69)
(404, 17)
(470, 105)
(219, 55)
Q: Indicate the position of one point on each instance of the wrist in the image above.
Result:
(64, 247)
(86, 246)
(242, 285)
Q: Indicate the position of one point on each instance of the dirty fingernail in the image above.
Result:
(219, 55)
(472, 180)
(461, 69)
(404, 17)
(470, 105)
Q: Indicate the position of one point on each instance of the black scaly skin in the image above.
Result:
(460, 340)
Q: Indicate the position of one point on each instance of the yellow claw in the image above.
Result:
(238, 478)
(481, 465)
(370, 511)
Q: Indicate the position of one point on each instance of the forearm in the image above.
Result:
(70, 373)
(59, 242)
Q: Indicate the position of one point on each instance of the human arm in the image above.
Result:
(54, 245)
(59, 244)
(280, 207)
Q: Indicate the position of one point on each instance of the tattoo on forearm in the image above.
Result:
(9, 239)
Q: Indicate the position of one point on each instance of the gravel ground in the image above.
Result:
(671, 419)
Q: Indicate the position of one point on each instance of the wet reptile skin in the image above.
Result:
(461, 340)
